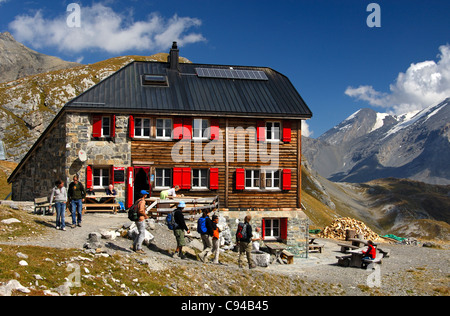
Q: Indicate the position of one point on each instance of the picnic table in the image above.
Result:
(276, 249)
(314, 245)
(101, 203)
(355, 259)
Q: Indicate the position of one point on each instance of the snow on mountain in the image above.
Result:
(369, 145)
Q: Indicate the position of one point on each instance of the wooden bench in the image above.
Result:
(344, 261)
(42, 205)
(377, 260)
(314, 247)
(385, 252)
(101, 207)
(288, 256)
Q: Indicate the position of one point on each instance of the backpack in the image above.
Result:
(170, 221)
(242, 231)
(201, 226)
(133, 212)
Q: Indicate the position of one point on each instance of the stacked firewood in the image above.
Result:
(337, 229)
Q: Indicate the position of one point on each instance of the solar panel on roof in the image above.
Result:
(231, 74)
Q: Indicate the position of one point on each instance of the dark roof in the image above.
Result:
(188, 93)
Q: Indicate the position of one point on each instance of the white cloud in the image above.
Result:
(305, 130)
(422, 85)
(103, 29)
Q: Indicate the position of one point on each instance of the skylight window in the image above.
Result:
(155, 80)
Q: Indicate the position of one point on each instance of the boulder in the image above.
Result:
(261, 259)
(13, 285)
(10, 221)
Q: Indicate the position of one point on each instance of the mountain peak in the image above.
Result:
(18, 61)
(370, 145)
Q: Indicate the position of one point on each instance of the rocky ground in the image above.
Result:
(410, 270)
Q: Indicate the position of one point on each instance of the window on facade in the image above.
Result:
(272, 179)
(252, 179)
(164, 128)
(200, 129)
(273, 131)
(141, 127)
(101, 177)
(106, 126)
(163, 178)
(200, 178)
(272, 228)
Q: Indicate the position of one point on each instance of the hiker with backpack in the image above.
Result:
(206, 231)
(244, 241)
(139, 216)
(178, 224)
(216, 239)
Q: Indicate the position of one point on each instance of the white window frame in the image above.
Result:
(271, 176)
(164, 178)
(142, 128)
(104, 126)
(271, 131)
(202, 173)
(255, 176)
(199, 130)
(101, 177)
(164, 128)
(269, 225)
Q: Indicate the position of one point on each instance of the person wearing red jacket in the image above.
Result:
(371, 252)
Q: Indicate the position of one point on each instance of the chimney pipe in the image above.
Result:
(174, 56)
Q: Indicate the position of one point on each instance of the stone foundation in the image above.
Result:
(297, 230)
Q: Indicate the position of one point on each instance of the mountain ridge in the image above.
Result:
(370, 145)
(18, 61)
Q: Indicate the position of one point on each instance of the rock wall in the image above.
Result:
(297, 230)
(45, 165)
(103, 152)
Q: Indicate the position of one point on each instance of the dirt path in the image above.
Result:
(410, 270)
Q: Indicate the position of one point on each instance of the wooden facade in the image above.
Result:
(237, 135)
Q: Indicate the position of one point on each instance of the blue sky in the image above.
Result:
(335, 60)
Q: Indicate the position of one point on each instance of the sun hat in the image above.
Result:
(182, 204)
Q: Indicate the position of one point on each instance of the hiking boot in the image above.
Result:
(176, 255)
(140, 251)
(183, 256)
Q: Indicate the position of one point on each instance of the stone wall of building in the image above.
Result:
(102, 152)
(297, 230)
(45, 165)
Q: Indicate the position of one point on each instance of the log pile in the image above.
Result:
(337, 229)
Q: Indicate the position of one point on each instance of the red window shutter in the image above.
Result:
(283, 228)
(130, 186)
(263, 229)
(215, 130)
(214, 179)
(240, 179)
(261, 131)
(178, 128)
(187, 128)
(113, 126)
(131, 126)
(97, 126)
(89, 178)
(177, 177)
(186, 179)
(287, 131)
(287, 175)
